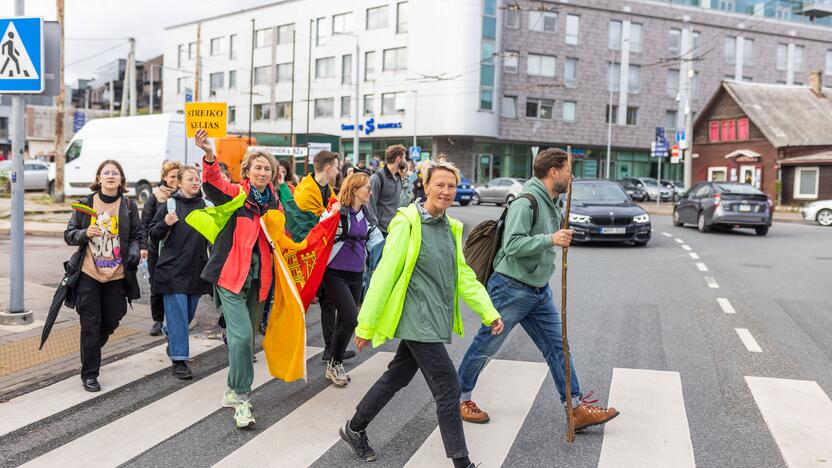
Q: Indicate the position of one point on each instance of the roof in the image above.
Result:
(821, 157)
(743, 152)
(787, 115)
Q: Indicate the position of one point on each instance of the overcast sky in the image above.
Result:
(93, 26)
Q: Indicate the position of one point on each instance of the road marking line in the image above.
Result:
(679, 241)
(802, 436)
(702, 267)
(667, 234)
(711, 282)
(141, 430)
(693, 255)
(726, 305)
(686, 247)
(653, 428)
(749, 341)
(305, 434)
(491, 442)
(42, 403)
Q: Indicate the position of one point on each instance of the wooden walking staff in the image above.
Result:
(570, 422)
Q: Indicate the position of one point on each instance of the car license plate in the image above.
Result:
(615, 230)
(745, 208)
(465, 197)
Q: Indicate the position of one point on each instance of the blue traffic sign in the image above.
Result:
(415, 153)
(189, 95)
(680, 136)
(78, 120)
(21, 55)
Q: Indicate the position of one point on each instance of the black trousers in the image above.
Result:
(343, 289)
(327, 317)
(100, 306)
(440, 374)
(157, 302)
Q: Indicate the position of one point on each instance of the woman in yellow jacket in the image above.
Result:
(414, 296)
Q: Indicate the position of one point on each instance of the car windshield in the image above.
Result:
(742, 189)
(650, 182)
(600, 191)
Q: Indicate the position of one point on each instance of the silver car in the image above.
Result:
(501, 190)
(38, 175)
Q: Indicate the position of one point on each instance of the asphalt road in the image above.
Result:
(648, 308)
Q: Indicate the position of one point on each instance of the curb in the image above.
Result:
(6, 233)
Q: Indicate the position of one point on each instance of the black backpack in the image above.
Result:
(485, 240)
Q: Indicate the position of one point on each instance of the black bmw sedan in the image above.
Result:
(602, 211)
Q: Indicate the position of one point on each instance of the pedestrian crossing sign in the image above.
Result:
(21, 55)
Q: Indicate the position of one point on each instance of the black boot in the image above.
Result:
(156, 329)
(181, 370)
(91, 385)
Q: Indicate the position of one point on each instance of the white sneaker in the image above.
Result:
(242, 415)
(336, 373)
(230, 399)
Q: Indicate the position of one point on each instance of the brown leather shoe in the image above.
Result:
(587, 414)
(472, 413)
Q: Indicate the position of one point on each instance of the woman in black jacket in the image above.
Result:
(108, 236)
(183, 254)
(150, 251)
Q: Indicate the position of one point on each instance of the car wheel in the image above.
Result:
(676, 221)
(761, 230)
(143, 192)
(509, 199)
(703, 227)
(475, 199)
(824, 217)
(465, 203)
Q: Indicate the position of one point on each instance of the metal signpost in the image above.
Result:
(659, 150)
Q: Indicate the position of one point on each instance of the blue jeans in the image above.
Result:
(179, 312)
(535, 310)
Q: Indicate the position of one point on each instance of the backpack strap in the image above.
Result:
(532, 200)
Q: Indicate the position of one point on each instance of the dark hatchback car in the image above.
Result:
(636, 192)
(724, 205)
(602, 211)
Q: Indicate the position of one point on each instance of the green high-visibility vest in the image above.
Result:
(209, 221)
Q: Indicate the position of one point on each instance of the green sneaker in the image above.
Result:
(242, 415)
(230, 399)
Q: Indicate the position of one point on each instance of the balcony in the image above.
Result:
(817, 8)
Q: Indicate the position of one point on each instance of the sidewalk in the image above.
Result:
(43, 217)
(666, 209)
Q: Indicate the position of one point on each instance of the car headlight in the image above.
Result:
(578, 219)
(642, 218)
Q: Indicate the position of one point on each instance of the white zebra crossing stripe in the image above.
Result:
(711, 282)
(686, 247)
(125, 438)
(693, 255)
(653, 428)
(305, 434)
(726, 306)
(667, 234)
(702, 266)
(39, 404)
(748, 340)
(799, 415)
(490, 443)
(679, 241)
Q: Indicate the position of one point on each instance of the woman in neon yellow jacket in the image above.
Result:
(414, 296)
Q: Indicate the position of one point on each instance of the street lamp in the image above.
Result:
(415, 100)
(357, 81)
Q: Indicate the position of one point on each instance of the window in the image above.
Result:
(614, 35)
(377, 17)
(284, 72)
(672, 86)
(320, 32)
(395, 59)
(573, 29)
(730, 49)
(261, 75)
(216, 46)
(675, 47)
(342, 23)
(713, 131)
(285, 34)
(670, 119)
(742, 129)
(696, 43)
(369, 105)
(727, 5)
(192, 51)
(782, 57)
(729, 130)
(748, 51)
(324, 107)
(369, 66)
(636, 37)
(541, 65)
(216, 82)
(180, 51)
(539, 108)
(512, 18)
(634, 79)
(806, 182)
(392, 103)
(612, 115)
(325, 67)
(570, 72)
(262, 112)
(511, 58)
(486, 100)
(283, 110)
(613, 76)
(715, 174)
(632, 116)
(829, 62)
(181, 84)
(401, 18)
(508, 107)
(345, 106)
(798, 58)
(543, 21)
(570, 110)
(232, 114)
(232, 47)
(232, 79)
(346, 69)
(262, 38)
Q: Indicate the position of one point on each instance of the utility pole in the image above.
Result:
(308, 95)
(251, 83)
(292, 136)
(197, 75)
(131, 63)
(152, 91)
(415, 115)
(112, 96)
(357, 94)
(684, 110)
(609, 119)
(58, 184)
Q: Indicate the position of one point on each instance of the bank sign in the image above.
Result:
(370, 126)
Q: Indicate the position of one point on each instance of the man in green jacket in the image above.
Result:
(519, 289)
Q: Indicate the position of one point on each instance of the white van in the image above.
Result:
(140, 144)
